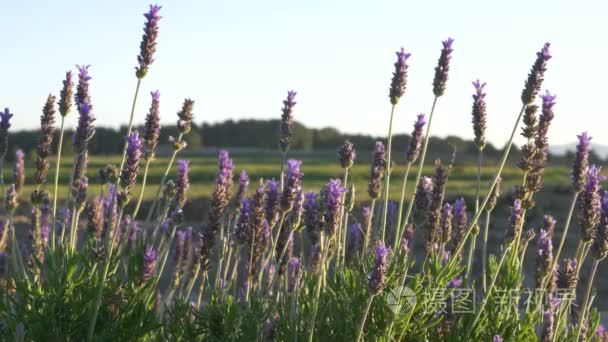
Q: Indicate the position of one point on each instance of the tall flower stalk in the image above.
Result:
(65, 106)
(5, 118)
(347, 156)
(286, 129)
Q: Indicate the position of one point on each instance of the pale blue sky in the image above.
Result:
(237, 59)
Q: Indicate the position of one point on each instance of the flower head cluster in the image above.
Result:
(399, 81)
(590, 204)
(129, 172)
(294, 274)
(460, 224)
(243, 185)
(536, 75)
(567, 275)
(287, 124)
(424, 193)
(311, 214)
(293, 184)
(82, 89)
(544, 258)
(272, 204)
(148, 41)
(377, 276)
(182, 182)
(347, 155)
(5, 124)
(151, 130)
(515, 221)
(185, 115)
(332, 196)
(43, 150)
(95, 214)
(599, 249)
(416, 139)
(479, 114)
(148, 263)
(65, 96)
(581, 162)
(377, 171)
(433, 218)
(19, 171)
(443, 67)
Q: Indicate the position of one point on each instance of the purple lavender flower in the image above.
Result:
(272, 201)
(581, 162)
(366, 215)
(447, 215)
(377, 171)
(547, 329)
(84, 132)
(293, 184)
(599, 249)
(5, 124)
(82, 89)
(408, 238)
(311, 212)
(442, 68)
(433, 217)
(391, 214)
(65, 96)
(259, 231)
(544, 258)
(497, 338)
(226, 167)
(460, 224)
(515, 221)
(399, 81)
(46, 220)
(110, 209)
(567, 275)
(536, 76)
(95, 214)
(377, 277)
(347, 154)
(549, 225)
(287, 124)
(11, 199)
(19, 171)
(81, 196)
(128, 174)
(148, 41)
(590, 204)
(151, 131)
(295, 215)
(148, 263)
(332, 200)
(424, 192)
(542, 131)
(182, 182)
(479, 114)
(243, 223)
(243, 185)
(179, 256)
(355, 240)
(185, 115)
(416, 139)
(43, 150)
(294, 274)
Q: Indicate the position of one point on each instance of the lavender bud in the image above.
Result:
(547, 329)
(82, 89)
(479, 114)
(549, 225)
(260, 231)
(81, 196)
(243, 185)
(293, 184)
(128, 174)
(43, 150)
(347, 155)
(544, 258)
(287, 124)
(447, 215)
(12, 200)
(243, 223)
(295, 215)
(378, 168)
(377, 276)
(151, 131)
(19, 171)
(355, 240)
(599, 249)
(442, 68)
(5, 124)
(294, 274)
(515, 221)
(493, 200)
(148, 41)
(590, 204)
(179, 255)
(184, 123)
(416, 139)
(434, 213)
(95, 214)
(107, 174)
(311, 214)
(544, 122)
(567, 275)
(182, 182)
(65, 96)
(272, 202)
(332, 200)
(399, 81)
(148, 263)
(529, 119)
(536, 76)
(581, 162)
(424, 192)
(408, 238)
(460, 224)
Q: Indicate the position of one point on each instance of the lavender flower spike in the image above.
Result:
(399, 81)
(377, 276)
(293, 184)
(272, 201)
(599, 249)
(43, 150)
(544, 258)
(416, 139)
(590, 204)
(148, 264)
(82, 89)
(332, 196)
(243, 185)
(515, 221)
(65, 96)
(148, 41)
(377, 171)
(424, 192)
(130, 169)
(19, 171)
(442, 68)
(581, 162)
(182, 182)
(479, 114)
(151, 131)
(294, 274)
(544, 121)
(347, 154)
(567, 275)
(185, 115)
(95, 214)
(536, 76)
(5, 124)
(287, 124)
(311, 214)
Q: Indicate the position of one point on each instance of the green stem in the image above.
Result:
(420, 165)
(283, 158)
(343, 223)
(143, 188)
(130, 127)
(317, 294)
(401, 202)
(470, 258)
(58, 167)
(368, 231)
(365, 313)
(586, 301)
(192, 281)
(162, 181)
(387, 182)
(484, 255)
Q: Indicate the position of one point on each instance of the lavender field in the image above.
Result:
(400, 243)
